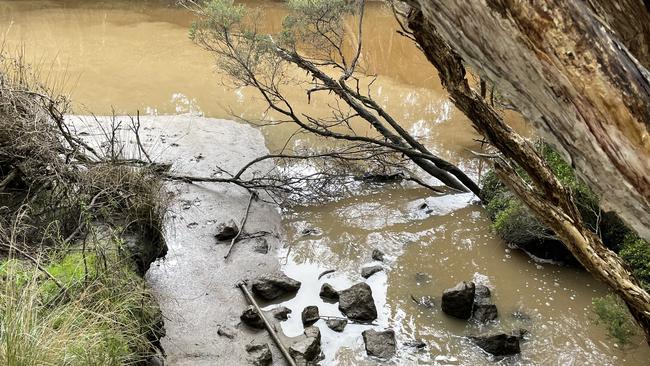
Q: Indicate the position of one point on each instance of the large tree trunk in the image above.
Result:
(568, 72)
(552, 203)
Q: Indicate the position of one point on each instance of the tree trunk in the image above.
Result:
(567, 71)
(551, 202)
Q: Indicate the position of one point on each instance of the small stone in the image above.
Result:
(310, 315)
(281, 313)
(369, 271)
(273, 285)
(327, 292)
(377, 255)
(227, 332)
(251, 318)
(259, 354)
(379, 344)
(226, 230)
(458, 301)
(337, 325)
(415, 344)
(357, 303)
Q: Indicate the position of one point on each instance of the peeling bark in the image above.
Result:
(567, 71)
(552, 203)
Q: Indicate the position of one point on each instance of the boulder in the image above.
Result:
(259, 354)
(226, 230)
(307, 349)
(327, 292)
(484, 310)
(377, 255)
(459, 300)
(379, 344)
(273, 285)
(498, 344)
(337, 325)
(369, 271)
(281, 313)
(357, 303)
(252, 318)
(310, 315)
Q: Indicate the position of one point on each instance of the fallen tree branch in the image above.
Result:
(241, 224)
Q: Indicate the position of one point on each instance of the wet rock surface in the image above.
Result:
(379, 344)
(281, 313)
(226, 230)
(366, 272)
(458, 301)
(307, 350)
(252, 318)
(415, 344)
(273, 285)
(377, 255)
(357, 303)
(499, 344)
(259, 354)
(327, 292)
(310, 315)
(337, 325)
(484, 309)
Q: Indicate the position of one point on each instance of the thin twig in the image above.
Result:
(241, 225)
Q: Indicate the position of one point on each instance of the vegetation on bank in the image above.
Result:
(78, 228)
(519, 227)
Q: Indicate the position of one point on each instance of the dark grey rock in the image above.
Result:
(252, 318)
(227, 332)
(307, 349)
(369, 271)
(226, 230)
(377, 255)
(273, 285)
(261, 246)
(459, 300)
(327, 292)
(379, 344)
(310, 315)
(498, 344)
(482, 293)
(259, 354)
(337, 325)
(357, 303)
(484, 313)
(415, 344)
(281, 312)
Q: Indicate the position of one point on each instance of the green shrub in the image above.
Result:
(613, 314)
(636, 253)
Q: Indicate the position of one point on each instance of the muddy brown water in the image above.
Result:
(126, 57)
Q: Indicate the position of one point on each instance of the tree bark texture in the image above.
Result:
(566, 65)
(552, 203)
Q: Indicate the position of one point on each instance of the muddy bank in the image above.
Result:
(194, 285)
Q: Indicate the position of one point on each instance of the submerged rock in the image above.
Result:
(281, 312)
(273, 285)
(252, 318)
(357, 303)
(226, 230)
(458, 301)
(337, 325)
(310, 315)
(327, 292)
(498, 344)
(379, 344)
(369, 271)
(259, 354)
(377, 255)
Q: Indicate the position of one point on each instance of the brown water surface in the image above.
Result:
(129, 57)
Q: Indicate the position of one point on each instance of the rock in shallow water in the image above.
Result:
(226, 230)
(357, 303)
(337, 325)
(379, 344)
(499, 344)
(310, 315)
(369, 271)
(273, 285)
(259, 354)
(484, 310)
(327, 292)
(378, 255)
(458, 301)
